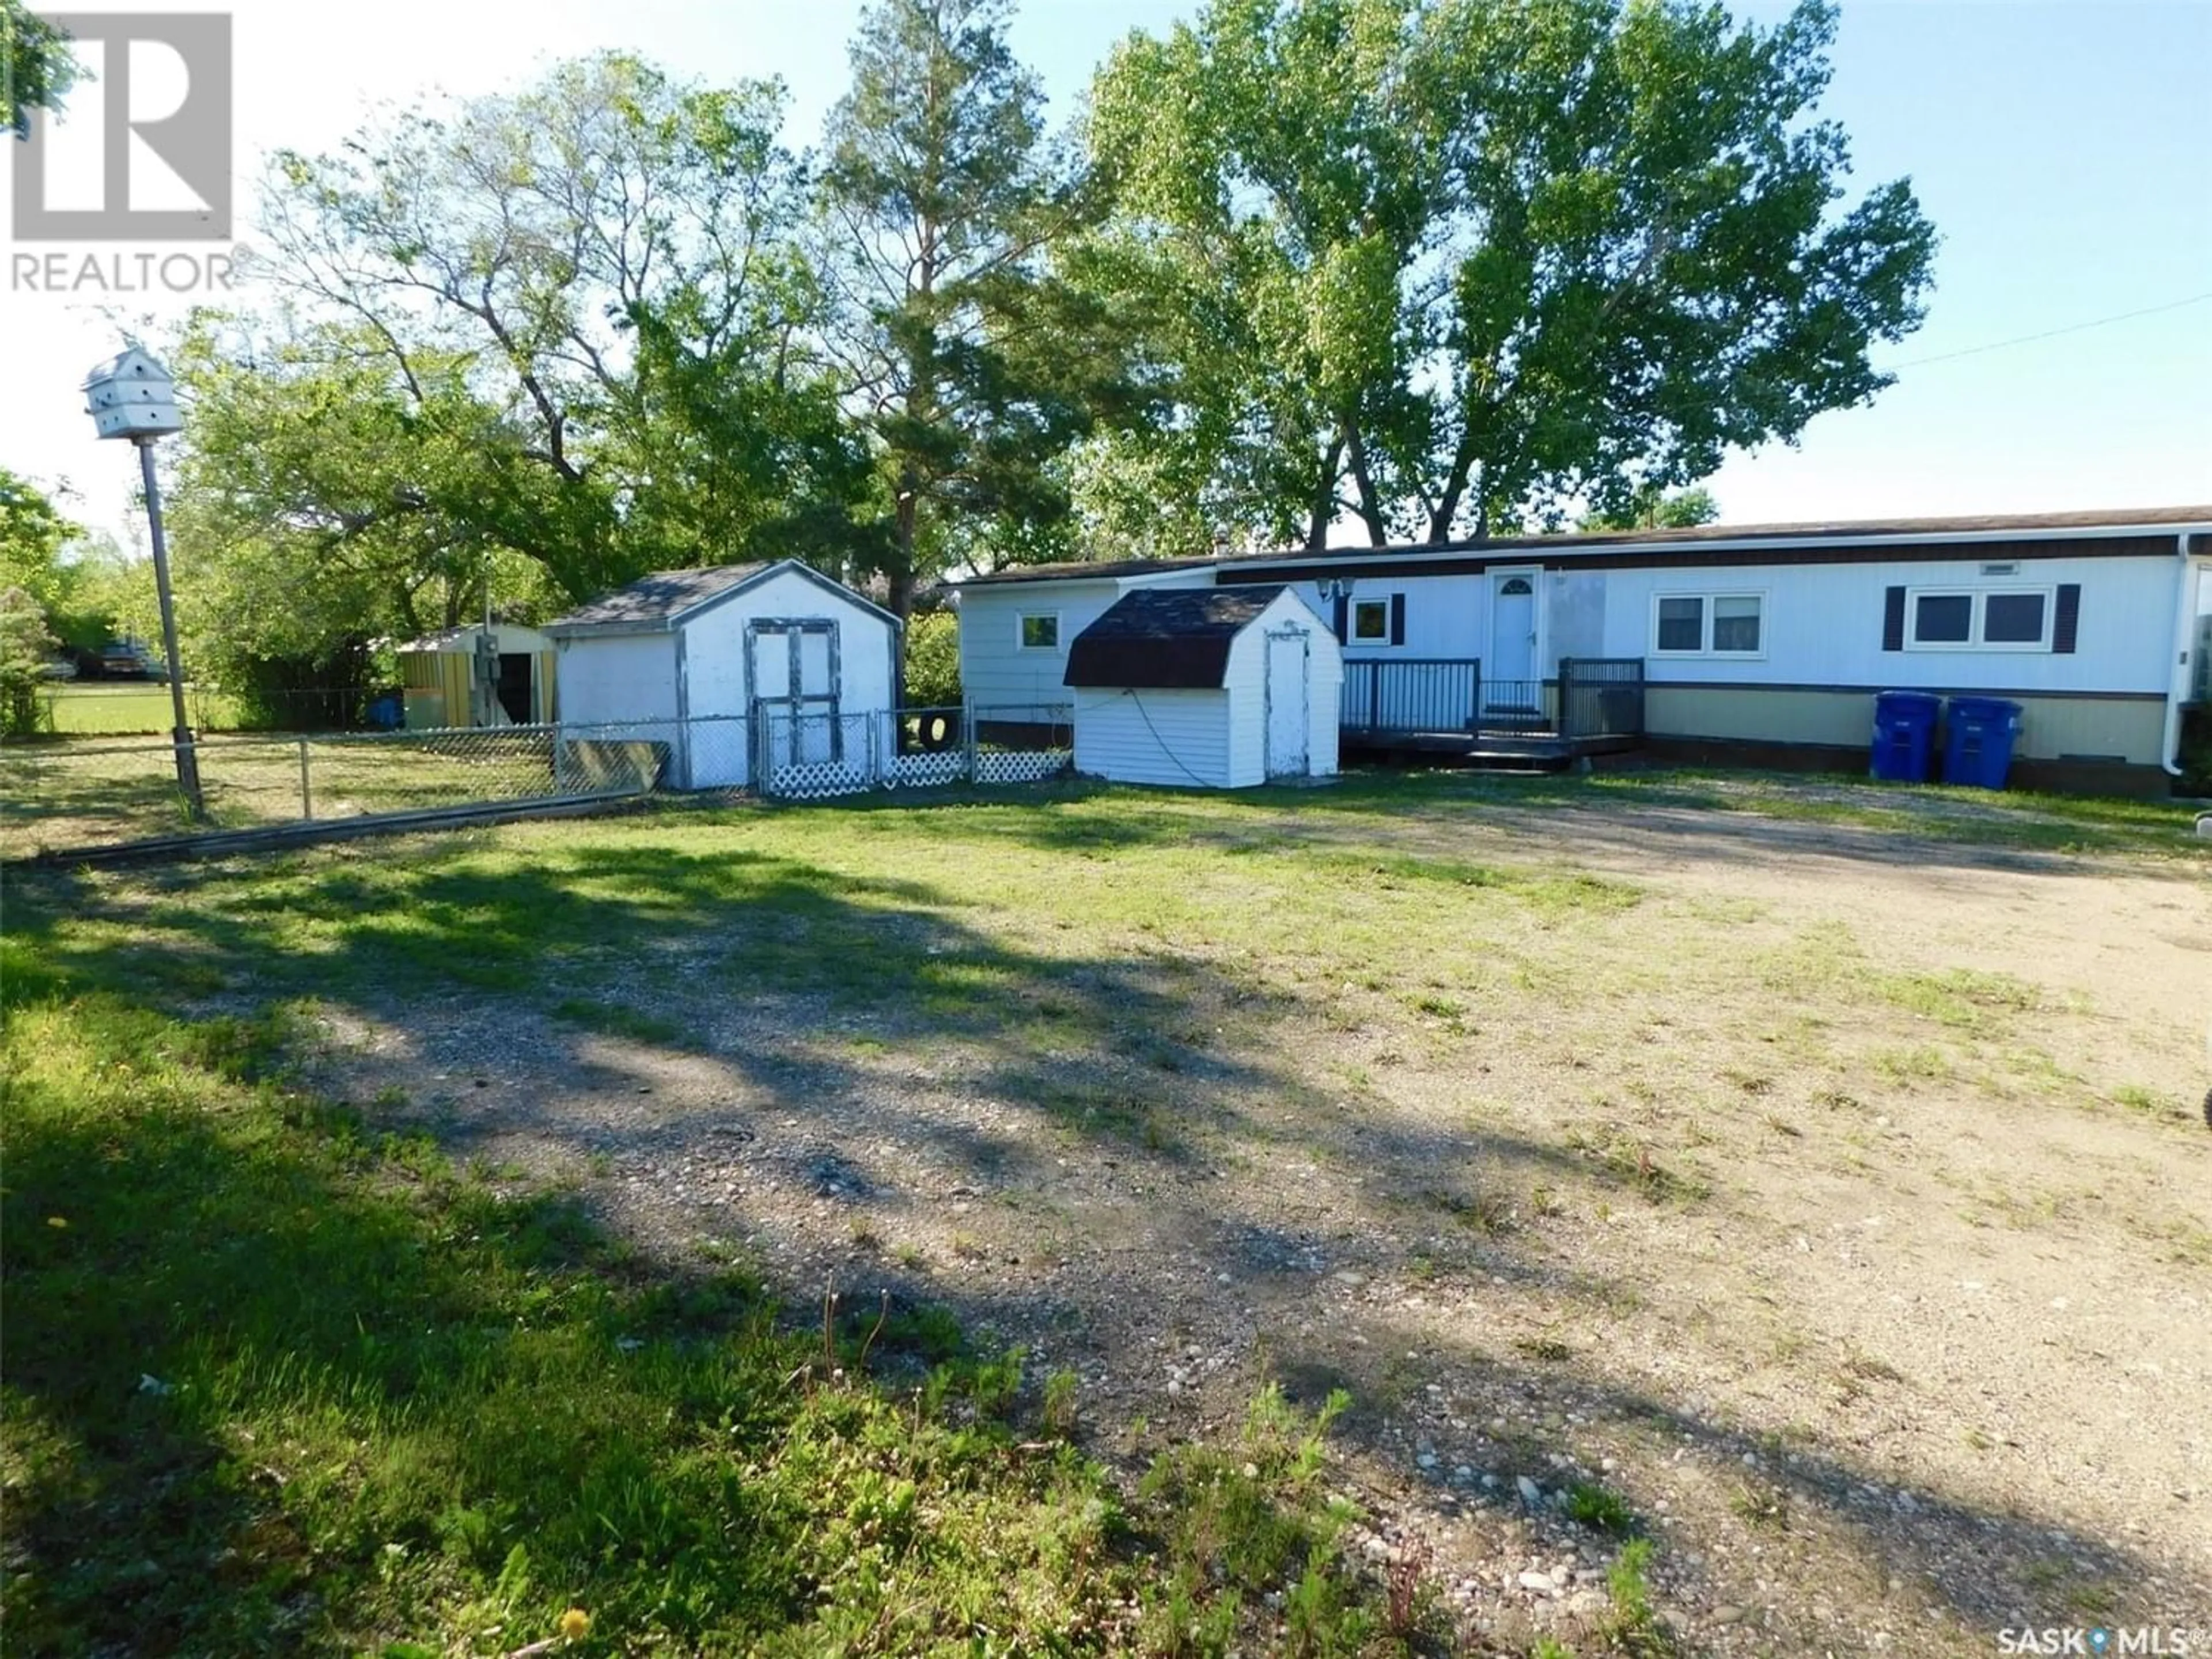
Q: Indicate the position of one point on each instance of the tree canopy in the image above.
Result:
(1443, 264)
(583, 308)
(971, 364)
(37, 68)
(1429, 267)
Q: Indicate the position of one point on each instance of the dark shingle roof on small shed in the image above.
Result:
(655, 601)
(1163, 637)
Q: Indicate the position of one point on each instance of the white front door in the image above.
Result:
(1287, 662)
(1509, 673)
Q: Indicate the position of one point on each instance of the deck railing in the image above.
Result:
(1592, 697)
(1411, 694)
(1601, 697)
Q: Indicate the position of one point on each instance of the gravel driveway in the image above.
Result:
(1838, 1203)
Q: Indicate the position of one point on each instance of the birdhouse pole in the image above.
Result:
(188, 759)
(131, 396)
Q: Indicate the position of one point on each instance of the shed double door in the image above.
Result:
(793, 672)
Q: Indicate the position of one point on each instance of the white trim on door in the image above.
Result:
(1499, 575)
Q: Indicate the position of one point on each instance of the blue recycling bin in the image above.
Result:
(1904, 736)
(1978, 738)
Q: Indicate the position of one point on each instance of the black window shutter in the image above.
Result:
(1893, 620)
(1343, 620)
(1397, 619)
(2068, 619)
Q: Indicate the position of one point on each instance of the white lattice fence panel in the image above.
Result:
(1022, 765)
(927, 771)
(818, 779)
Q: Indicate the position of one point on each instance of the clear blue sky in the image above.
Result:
(2063, 151)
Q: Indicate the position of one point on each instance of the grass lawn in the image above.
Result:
(280, 1381)
(113, 708)
(374, 1283)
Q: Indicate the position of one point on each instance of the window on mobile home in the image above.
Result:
(1709, 625)
(1981, 619)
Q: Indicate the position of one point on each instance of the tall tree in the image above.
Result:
(540, 286)
(1446, 264)
(25, 645)
(321, 502)
(33, 533)
(1653, 508)
(37, 68)
(972, 365)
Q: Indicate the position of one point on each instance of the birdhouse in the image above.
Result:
(131, 396)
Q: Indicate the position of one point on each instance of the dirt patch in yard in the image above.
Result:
(1828, 1206)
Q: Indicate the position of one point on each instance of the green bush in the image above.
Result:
(932, 660)
(25, 643)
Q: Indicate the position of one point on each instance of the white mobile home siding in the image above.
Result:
(1823, 626)
(997, 672)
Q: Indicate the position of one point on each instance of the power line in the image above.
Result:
(2053, 333)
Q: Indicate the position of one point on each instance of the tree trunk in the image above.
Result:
(1447, 509)
(1324, 496)
(1370, 508)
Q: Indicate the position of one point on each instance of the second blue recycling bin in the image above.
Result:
(1904, 736)
(1978, 740)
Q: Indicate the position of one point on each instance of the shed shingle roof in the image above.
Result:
(657, 600)
(1166, 636)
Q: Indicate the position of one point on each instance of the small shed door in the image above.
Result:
(514, 686)
(792, 672)
(1287, 716)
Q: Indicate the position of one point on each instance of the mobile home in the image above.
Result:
(1752, 644)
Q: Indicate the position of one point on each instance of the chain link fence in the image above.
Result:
(56, 797)
(82, 794)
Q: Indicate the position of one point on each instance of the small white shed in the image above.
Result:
(1219, 688)
(697, 660)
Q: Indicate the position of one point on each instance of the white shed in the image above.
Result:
(1221, 688)
(698, 658)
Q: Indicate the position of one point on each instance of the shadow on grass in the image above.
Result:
(275, 1388)
(1113, 1049)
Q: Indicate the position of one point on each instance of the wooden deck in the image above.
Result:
(1518, 750)
(1446, 709)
